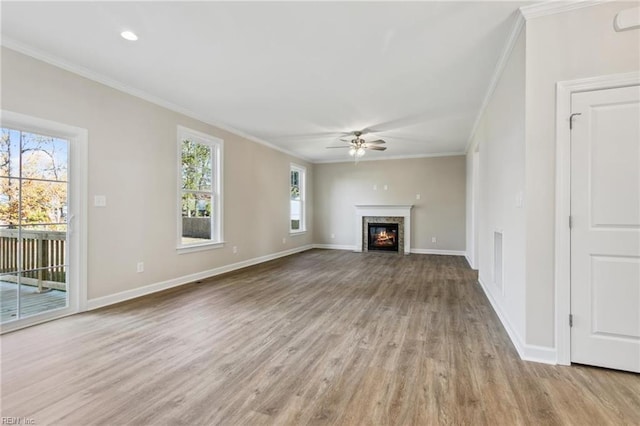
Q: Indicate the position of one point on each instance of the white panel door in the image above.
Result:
(605, 234)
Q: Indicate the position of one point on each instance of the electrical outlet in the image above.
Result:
(235, 250)
(434, 240)
(140, 267)
(333, 236)
(386, 187)
(284, 241)
(375, 187)
(417, 196)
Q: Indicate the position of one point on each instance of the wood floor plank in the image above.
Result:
(321, 337)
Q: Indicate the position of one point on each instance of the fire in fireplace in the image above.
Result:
(383, 236)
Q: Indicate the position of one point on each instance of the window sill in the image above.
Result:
(200, 247)
(294, 233)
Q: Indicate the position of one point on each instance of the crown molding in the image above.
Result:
(553, 7)
(521, 16)
(393, 157)
(517, 27)
(114, 84)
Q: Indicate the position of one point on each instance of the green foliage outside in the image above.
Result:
(42, 163)
(196, 179)
(295, 185)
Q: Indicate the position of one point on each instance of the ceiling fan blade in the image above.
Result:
(365, 132)
(377, 148)
(378, 142)
(331, 147)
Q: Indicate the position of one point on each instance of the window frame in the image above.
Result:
(293, 167)
(217, 220)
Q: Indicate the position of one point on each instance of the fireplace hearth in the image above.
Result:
(383, 237)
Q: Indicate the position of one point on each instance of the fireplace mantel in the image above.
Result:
(399, 210)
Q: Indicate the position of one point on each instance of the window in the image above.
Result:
(297, 204)
(199, 197)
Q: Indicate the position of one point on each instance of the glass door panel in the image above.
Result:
(33, 224)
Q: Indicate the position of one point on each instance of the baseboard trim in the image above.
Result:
(334, 247)
(513, 335)
(111, 299)
(442, 252)
(541, 354)
(413, 250)
(466, 256)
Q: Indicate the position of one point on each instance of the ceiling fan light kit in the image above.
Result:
(356, 152)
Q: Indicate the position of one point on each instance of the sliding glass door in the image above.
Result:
(34, 248)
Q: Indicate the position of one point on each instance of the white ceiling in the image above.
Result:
(294, 74)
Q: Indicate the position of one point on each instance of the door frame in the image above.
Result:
(77, 212)
(475, 207)
(562, 273)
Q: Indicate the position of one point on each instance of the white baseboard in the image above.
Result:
(334, 247)
(466, 256)
(413, 250)
(513, 335)
(526, 352)
(111, 299)
(442, 252)
(541, 354)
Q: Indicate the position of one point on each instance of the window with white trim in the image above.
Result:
(297, 210)
(200, 189)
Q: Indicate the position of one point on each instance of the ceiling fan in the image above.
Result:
(358, 146)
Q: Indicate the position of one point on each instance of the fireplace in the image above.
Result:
(383, 237)
(383, 233)
(385, 214)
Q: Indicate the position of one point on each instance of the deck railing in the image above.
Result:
(42, 258)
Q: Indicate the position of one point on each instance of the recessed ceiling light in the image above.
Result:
(129, 35)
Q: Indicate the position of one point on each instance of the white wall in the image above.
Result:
(516, 142)
(439, 213)
(572, 45)
(132, 160)
(500, 140)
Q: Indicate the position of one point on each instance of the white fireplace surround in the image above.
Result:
(382, 210)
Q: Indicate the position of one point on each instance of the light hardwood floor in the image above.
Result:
(322, 337)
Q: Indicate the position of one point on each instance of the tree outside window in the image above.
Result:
(33, 180)
(199, 188)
